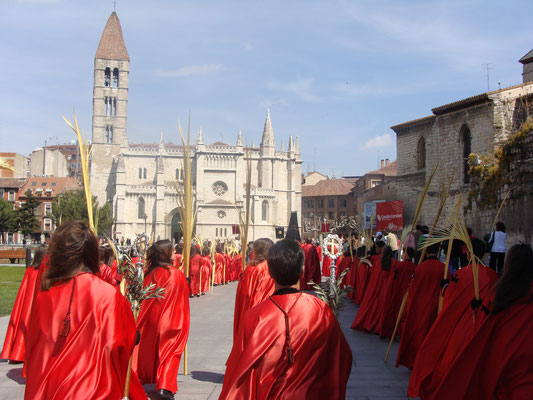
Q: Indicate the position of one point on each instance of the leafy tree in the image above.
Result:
(71, 206)
(8, 221)
(26, 222)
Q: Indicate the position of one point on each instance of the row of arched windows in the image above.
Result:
(107, 77)
(466, 142)
(109, 134)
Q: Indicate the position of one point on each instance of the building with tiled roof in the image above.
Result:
(476, 124)
(140, 180)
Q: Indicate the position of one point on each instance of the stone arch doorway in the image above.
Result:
(175, 228)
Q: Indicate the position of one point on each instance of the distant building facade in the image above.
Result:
(48, 161)
(19, 162)
(139, 180)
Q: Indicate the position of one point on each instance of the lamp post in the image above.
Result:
(145, 216)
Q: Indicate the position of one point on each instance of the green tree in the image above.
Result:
(8, 221)
(26, 222)
(71, 206)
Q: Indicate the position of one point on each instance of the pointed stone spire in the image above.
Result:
(268, 133)
(112, 46)
(200, 139)
(291, 144)
(161, 138)
(239, 138)
(281, 148)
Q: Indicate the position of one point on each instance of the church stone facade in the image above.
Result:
(141, 180)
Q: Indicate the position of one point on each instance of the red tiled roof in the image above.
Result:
(387, 170)
(112, 46)
(58, 185)
(328, 187)
(12, 182)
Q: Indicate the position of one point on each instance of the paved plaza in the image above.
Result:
(210, 343)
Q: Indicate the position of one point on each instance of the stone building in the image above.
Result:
(472, 125)
(48, 161)
(140, 179)
(19, 162)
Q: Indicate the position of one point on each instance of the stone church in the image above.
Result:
(449, 135)
(140, 180)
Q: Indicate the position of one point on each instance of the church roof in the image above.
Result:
(112, 46)
(527, 58)
(387, 170)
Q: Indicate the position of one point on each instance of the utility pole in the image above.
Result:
(487, 68)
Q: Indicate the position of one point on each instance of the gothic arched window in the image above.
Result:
(264, 210)
(115, 77)
(109, 134)
(107, 77)
(140, 208)
(466, 139)
(144, 173)
(421, 154)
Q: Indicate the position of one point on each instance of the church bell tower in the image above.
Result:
(110, 103)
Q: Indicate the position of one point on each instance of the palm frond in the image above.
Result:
(5, 164)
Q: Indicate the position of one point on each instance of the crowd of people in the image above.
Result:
(465, 336)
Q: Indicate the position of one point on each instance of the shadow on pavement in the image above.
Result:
(15, 374)
(206, 376)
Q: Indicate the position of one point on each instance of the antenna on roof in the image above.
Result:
(487, 67)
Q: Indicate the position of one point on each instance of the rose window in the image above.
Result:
(219, 188)
(221, 214)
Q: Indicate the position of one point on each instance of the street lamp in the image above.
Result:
(145, 216)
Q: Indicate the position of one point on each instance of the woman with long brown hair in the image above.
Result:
(163, 322)
(82, 330)
(256, 283)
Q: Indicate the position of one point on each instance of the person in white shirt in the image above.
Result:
(498, 249)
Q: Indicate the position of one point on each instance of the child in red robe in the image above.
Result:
(290, 346)
(163, 323)
(311, 267)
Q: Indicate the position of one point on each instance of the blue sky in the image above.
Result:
(336, 73)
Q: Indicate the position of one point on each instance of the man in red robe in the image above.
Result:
(311, 267)
(362, 273)
(256, 284)
(219, 265)
(453, 326)
(194, 271)
(290, 346)
(206, 267)
(422, 305)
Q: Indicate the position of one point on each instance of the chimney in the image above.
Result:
(386, 161)
(382, 162)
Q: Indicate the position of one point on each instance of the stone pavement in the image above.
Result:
(210, 343)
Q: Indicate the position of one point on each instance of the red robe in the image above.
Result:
(219, 268)
(361, 279)
(451, 329)
(258, 368)
(326, 262)
(319, 252)
(350, 276)
(369, 313)
(311, 267)
(255, 287)
(93, 359)
(107, 274)
(227, 267)
(164, 328)
(237, 267)
(344, 263)
(206, 267)
(177, 261)
(194, 273)
(496, 361)
(422, 305)
(403, 272)
(15, 340)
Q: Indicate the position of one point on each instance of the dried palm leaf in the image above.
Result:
(6, 164)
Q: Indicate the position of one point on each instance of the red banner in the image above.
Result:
(389, 214)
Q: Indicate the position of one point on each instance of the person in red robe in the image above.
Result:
(362, 273)
(14, 348)
(398, 284)
(195, 264)
(106, 272)
(495, 361)
(206, 267)
(227, 267)
(311, 266)
(344, 263)
(82, 330)
(290, 346)
(326, 262)
(219, 265)
(422, 305)
(163, 322)
(368, 316)
(256, 284)
(237, 267)
(452, 327)
(178, 257)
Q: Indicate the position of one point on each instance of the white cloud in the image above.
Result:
(377, 142)
(188, 70)
(301, 88)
